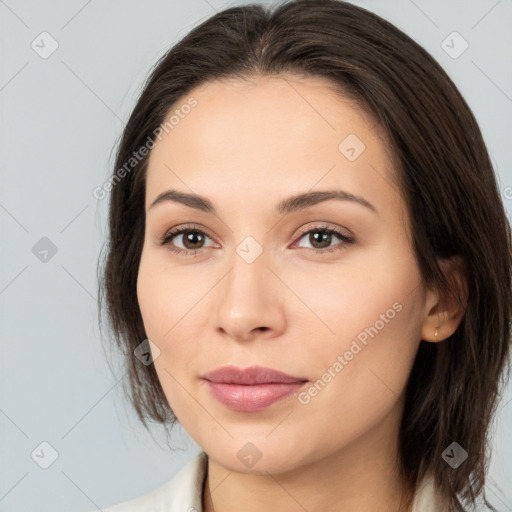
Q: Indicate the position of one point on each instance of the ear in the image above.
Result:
(444, 309)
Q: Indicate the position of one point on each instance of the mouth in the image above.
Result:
(251, 389)
(251, 375)
(251, 397)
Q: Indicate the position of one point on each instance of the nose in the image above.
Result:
(250, 301)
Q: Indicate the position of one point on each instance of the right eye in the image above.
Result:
(189, 236)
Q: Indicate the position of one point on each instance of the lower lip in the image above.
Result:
(255, 397)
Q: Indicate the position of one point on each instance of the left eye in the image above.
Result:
(323, 236)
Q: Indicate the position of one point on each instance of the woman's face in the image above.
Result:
(268, 285)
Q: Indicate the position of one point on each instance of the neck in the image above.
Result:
(362, 477)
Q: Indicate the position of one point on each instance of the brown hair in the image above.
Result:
(445, 176)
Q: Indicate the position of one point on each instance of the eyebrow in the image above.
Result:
(289, 205)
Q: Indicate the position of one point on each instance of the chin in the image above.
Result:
(260, 455)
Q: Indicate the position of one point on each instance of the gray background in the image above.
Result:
(61, 116)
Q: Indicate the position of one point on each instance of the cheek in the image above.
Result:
(364, 336)
(361, 378)
(164, 294)
(164, 298)
(171, 301)
(149, 297)
(342, 300)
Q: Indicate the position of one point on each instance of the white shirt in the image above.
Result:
(183, 493)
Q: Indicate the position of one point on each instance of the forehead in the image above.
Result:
(248, 140)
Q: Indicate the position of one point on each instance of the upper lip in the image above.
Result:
(250, 375)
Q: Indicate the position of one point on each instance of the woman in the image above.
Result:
(309, 267)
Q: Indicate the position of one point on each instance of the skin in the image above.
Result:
(246, 146)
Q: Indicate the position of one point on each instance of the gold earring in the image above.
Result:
(435, 333)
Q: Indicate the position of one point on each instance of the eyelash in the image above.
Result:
(168, 237)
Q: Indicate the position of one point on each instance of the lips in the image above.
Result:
(251, 389)
(251, 375)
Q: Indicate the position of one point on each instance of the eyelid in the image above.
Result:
(328, 226)
(178, 230)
